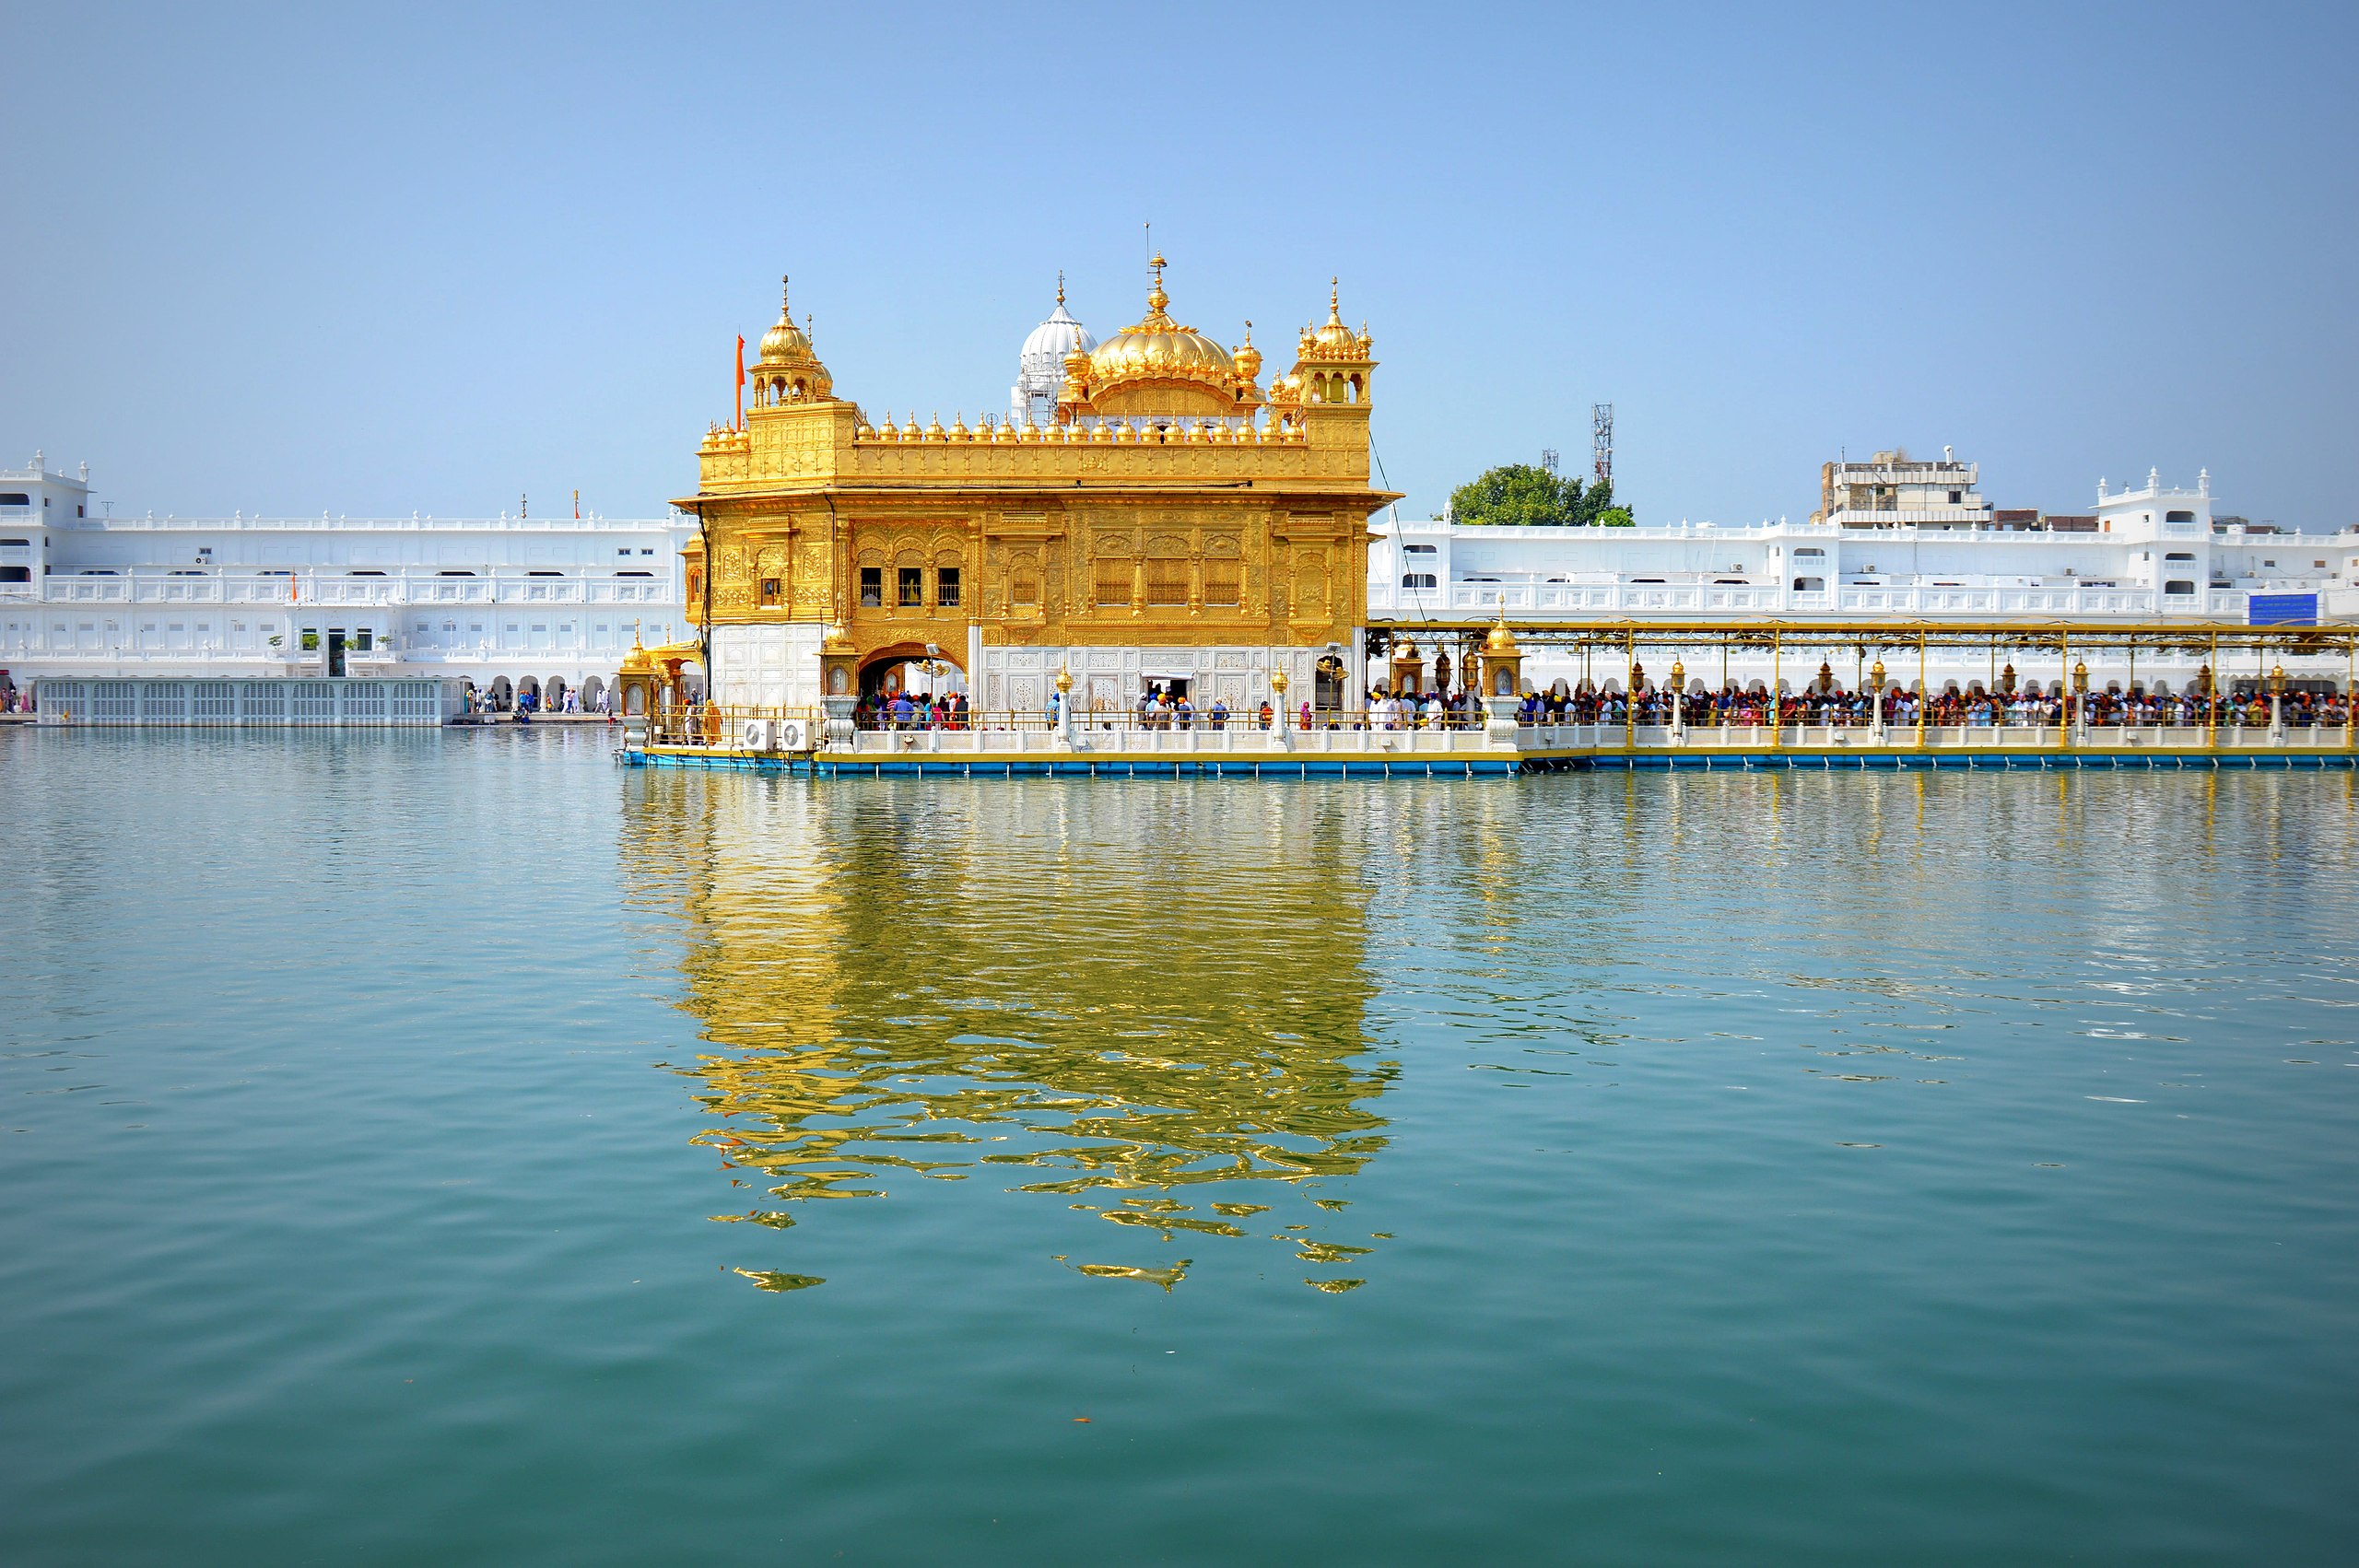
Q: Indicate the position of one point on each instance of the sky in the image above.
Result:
(373, 261)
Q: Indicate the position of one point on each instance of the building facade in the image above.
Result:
(1162, 518)
(1894, 540)
(514, 604)
(2157, 553)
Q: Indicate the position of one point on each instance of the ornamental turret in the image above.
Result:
(788, 369)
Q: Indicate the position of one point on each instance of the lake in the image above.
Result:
(455, 1148)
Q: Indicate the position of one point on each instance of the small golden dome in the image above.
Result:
(1248, 359)
(1501, 641)
(1334, 341)
(636, 661)
(785, 344)
(788, 363)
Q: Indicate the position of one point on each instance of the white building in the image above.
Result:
(1893, 538)
(542, 605)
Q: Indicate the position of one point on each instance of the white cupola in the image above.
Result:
(1041, 368)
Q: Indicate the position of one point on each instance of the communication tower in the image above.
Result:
(1548, 459)
(1602, 422)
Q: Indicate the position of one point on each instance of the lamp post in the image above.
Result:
(1064, 706)
(2277, 706)
(1678, 700)
(1278, 685)
(2081, 699)
(1876, 700)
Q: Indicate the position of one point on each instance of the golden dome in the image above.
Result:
(1157, 366)
(1501, 641)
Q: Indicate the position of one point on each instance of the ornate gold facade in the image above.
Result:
(1173, 504)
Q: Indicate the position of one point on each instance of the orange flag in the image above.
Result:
(741, 380)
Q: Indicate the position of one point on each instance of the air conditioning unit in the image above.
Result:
(755, 735)
(794, 735)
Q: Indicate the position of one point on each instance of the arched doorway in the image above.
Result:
(556, 690)
(591, 690)
(528, 692)
(910, 667)
(501, 692)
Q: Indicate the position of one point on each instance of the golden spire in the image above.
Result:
(1156, 299)
(785, 298)
(1334, 301)
(1061, 287)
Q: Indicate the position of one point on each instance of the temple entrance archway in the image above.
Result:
(909, 667)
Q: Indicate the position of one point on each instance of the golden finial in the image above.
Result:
(1334, 301)
(784, 299)
(1156, 299)
(1060, 288)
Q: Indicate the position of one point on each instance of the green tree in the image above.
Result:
(1519, 495)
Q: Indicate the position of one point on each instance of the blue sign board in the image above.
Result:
(2282, 610)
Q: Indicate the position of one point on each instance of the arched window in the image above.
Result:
(1418, 579)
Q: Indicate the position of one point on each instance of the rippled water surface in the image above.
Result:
(454, 1148)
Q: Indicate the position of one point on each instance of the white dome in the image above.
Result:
(1045, 350)
(1040, 368)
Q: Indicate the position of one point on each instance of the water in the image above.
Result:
(453, 1149)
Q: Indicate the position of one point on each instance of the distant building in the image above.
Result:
(1894, 490)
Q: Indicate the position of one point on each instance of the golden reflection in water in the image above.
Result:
(1144, 1000)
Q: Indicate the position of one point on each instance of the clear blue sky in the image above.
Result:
(378, 260)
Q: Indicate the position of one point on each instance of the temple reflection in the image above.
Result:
(1148, 1002)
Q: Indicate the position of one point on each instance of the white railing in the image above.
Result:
(1463, 600)
(337, 589)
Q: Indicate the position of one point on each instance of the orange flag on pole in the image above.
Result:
(741, 382)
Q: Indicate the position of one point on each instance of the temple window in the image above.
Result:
(945, 586)
(1023, 586)
(769, 591)
(871, 588)
(1167, 582)
(1113, 582)
(911, 584)
(1221, 582)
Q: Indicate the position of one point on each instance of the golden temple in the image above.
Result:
(1170, 520)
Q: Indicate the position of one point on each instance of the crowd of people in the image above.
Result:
(524, 704)
(900, 711)
(1167, 708)
(1974, 708)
